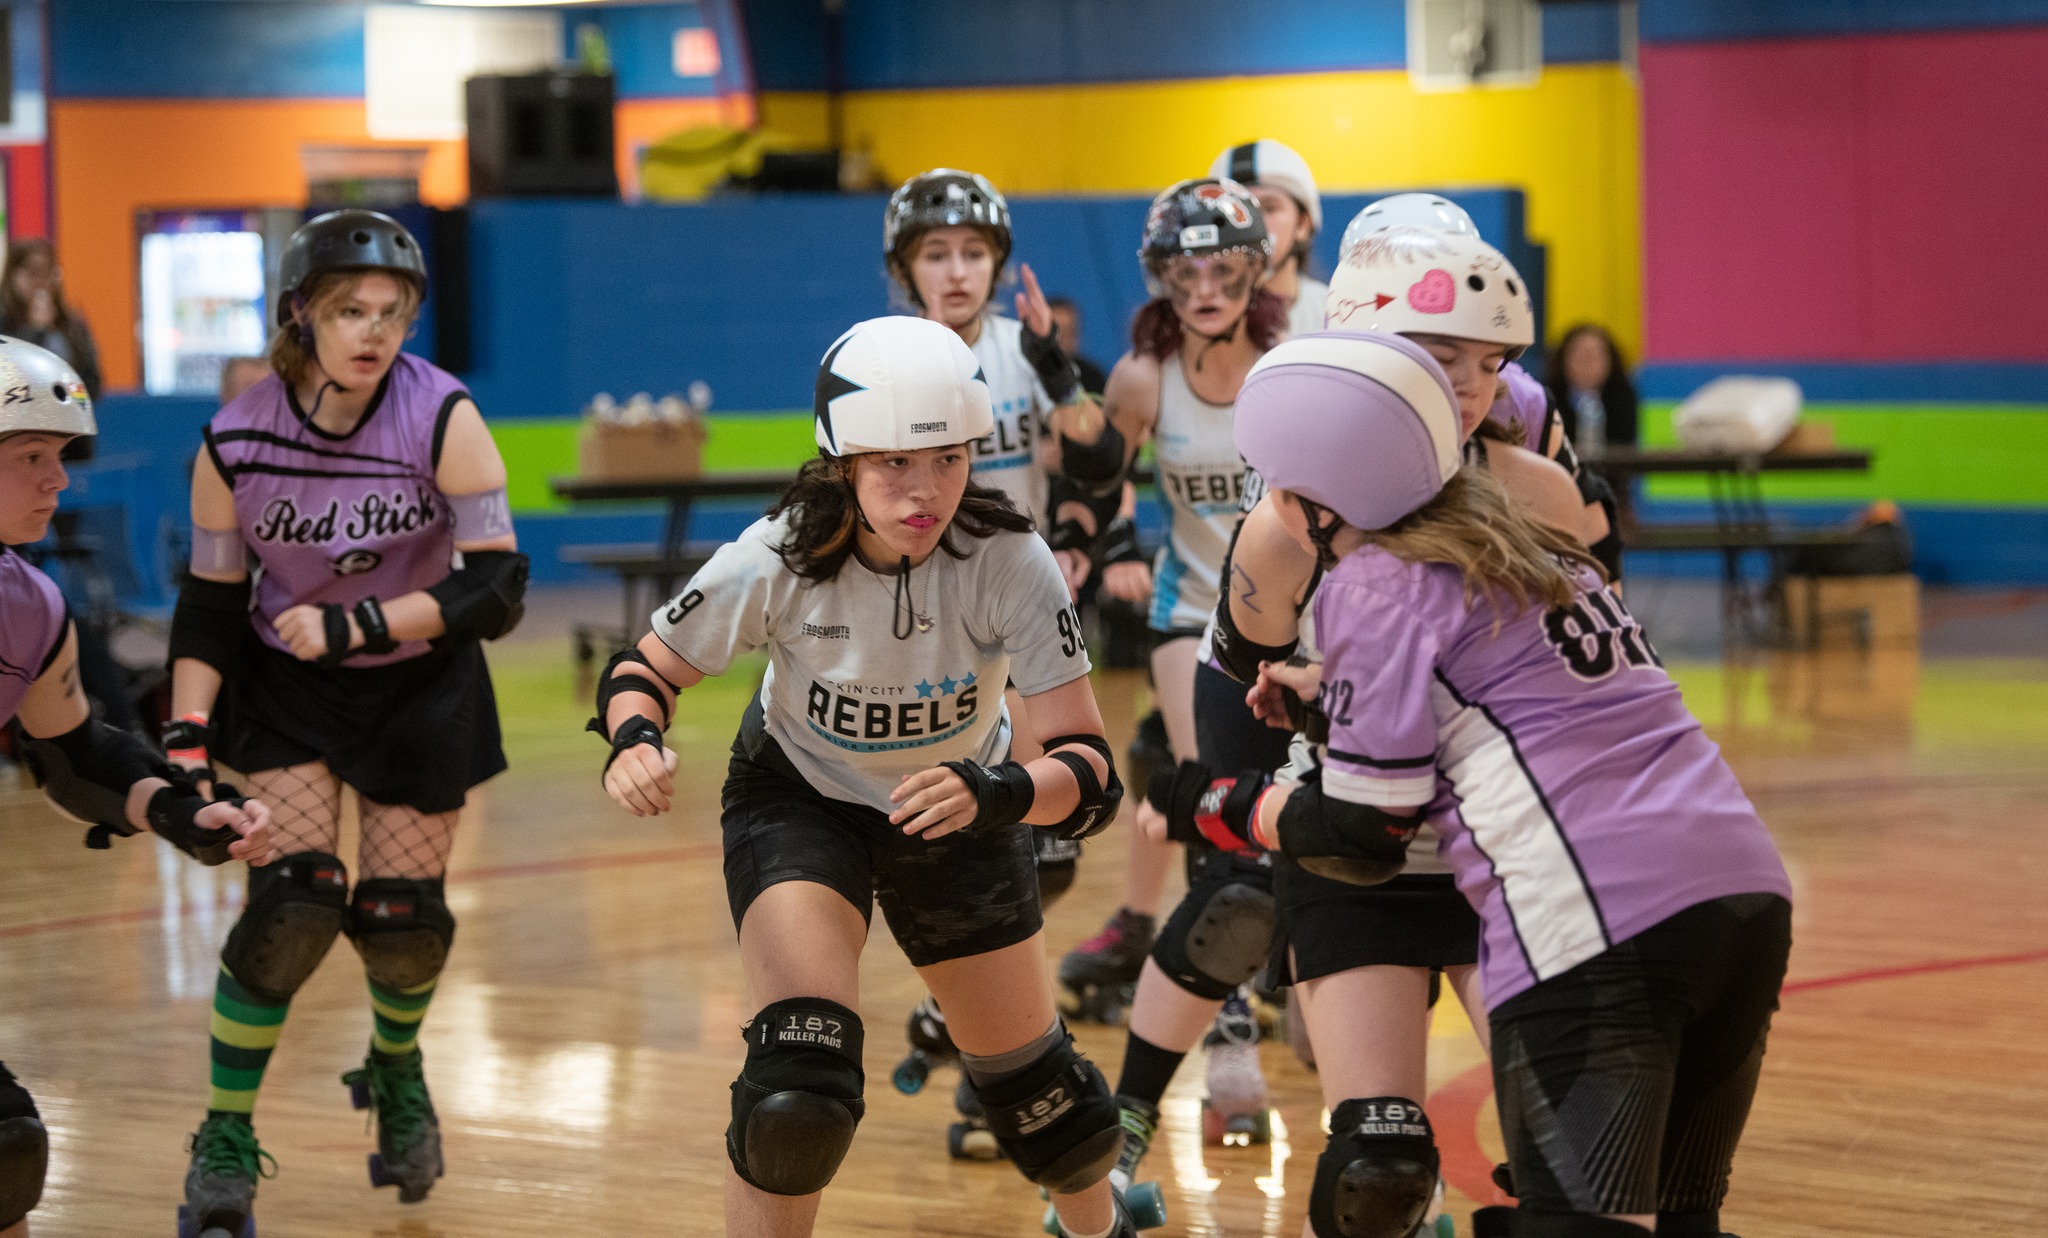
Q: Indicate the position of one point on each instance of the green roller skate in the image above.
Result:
(220, 1186)
(408, 1154)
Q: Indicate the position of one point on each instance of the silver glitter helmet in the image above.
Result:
(41, 393)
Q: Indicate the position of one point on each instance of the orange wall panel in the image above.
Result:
(113, 157)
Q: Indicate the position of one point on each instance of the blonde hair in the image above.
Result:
(1474, 526)
(291, 346)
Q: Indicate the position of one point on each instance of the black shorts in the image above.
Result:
(1415, 920)
(1228, 736)
(1624, 1083)
(967, 893)
(419, 733)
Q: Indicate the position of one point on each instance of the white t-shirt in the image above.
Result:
(1306, 314)
(1202, 483)
(1007, 459)
(854, 708)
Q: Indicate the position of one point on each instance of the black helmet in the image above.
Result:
(350, 240)
(945, 198)
(1207, 216)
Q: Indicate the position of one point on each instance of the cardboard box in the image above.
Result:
(654, 451)
(1808, 438)
(1853, 611)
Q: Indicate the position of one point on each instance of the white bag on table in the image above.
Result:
(1740, 413)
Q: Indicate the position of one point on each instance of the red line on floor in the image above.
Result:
(1455, 1107)
(495, 872)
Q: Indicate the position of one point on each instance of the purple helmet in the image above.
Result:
(1362, 423)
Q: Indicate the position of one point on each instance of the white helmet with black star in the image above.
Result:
(900, 384)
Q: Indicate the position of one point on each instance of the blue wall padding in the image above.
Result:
(1903, 382)
(1686, 20)
(573, 298)
(910, 44)
(205, 49)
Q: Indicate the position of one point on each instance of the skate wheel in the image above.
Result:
(380, 1176)
(188, 1225)
(1147, 1206)
(971, 1143)
(359, 1094)
(910, 1073)
(1445, 1228)
(1051, 1224)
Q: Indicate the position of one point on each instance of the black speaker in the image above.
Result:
(541, 134)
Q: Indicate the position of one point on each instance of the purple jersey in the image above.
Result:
(337, 518)
(32, 617)
(1578, 801)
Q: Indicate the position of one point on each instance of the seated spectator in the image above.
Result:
(1066, 328)
(33, 309)
(1589, 378)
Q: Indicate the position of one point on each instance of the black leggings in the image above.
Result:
(1624, 1083)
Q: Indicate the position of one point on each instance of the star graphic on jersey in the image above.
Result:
(832, 385)
(924, 689)
(947, 685)
(969, 681)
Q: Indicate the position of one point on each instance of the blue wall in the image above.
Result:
(899, 44)
(573, 298)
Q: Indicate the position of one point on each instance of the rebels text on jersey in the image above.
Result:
(855, 708)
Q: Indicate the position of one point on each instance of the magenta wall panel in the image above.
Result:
(1863, 198)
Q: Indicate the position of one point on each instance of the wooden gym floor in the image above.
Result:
(584, 1036)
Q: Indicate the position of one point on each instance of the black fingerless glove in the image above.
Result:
(1002, 793)
(1203, 807)
(173, 813)
(1056, 371)
(634, 730)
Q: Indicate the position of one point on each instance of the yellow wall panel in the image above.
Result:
(1570, 142)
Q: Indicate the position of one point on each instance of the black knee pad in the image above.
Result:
(24, 1151)
(1150, 749)
(402, 927)
(1690, 1225)
(1222, 932)
(798, 1098)
(297, 906)
(1378, 1173)
(1056, 1120)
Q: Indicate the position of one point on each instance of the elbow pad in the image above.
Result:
(1097, 462)
(87, 772)
(1099, 804)
(1353, 843)
(484, 598)
(211, 622)
(1594, 488)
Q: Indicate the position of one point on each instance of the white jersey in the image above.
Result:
(1306, 314)
(854, 708)
(1007, 459)
(1202, 479)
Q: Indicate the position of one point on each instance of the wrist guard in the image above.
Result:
(1119, 543)
(172, 814)
(634, 730)
(1069, 534)
(1056, 371)
(369, 615)
(1203, 807)
(334, 620)
(188, 738)
(613, 681)
(1096, 463)
(1002, 793)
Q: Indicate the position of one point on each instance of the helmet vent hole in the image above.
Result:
(360, 237)
(63, 396)
(401, 242)
(1475, 283)
(1512, 290)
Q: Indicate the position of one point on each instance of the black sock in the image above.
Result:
(1147, 1069)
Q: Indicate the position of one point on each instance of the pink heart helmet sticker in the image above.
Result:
(1434, 293)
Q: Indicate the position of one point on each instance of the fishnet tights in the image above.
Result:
(305, 803)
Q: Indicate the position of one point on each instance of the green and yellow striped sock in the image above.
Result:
(245, 1029)
(399, 1013)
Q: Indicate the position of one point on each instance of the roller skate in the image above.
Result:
(1140, 1121)
(931, 1046)
(1234, 1113)
(408, 1154)
(1138, 1207)
(970, 1139)
(1099, 977)
(220, 1187)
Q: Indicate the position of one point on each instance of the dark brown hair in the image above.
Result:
(12, 305)
(823, 517)
(1156, 331)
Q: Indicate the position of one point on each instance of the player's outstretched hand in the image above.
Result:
(250, 819)
(933, 803)
(1128, 582)
(641, 780)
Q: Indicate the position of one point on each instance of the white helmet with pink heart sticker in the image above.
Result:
(1422, 282)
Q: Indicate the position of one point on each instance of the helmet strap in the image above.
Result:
(1227, 336)
(903, 614)
(1321, 532)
